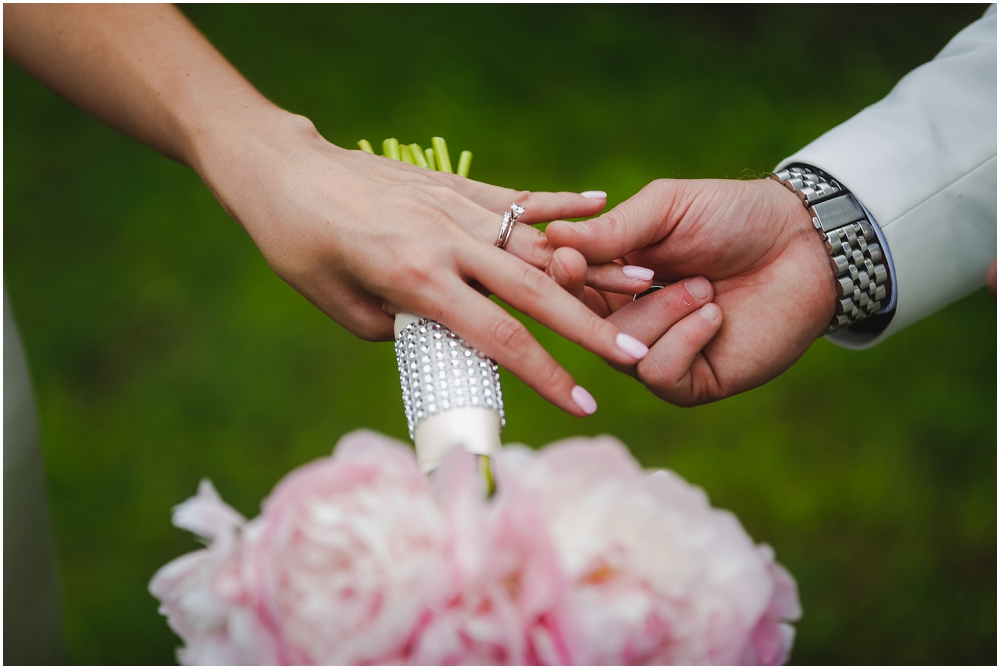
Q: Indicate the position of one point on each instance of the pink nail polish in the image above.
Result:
(631, 346)
(637, 273)
(595, 194)
(583, 399)
(698, 287)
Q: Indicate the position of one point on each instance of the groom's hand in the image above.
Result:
(755, 243)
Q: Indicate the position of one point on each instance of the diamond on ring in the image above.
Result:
(516, 210)
(507, 224)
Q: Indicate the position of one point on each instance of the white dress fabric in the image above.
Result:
(32, 632)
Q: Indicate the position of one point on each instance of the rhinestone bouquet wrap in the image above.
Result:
(438, 371)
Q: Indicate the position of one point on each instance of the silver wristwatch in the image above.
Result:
(863, 280)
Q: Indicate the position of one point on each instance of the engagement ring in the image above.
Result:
(507, 224)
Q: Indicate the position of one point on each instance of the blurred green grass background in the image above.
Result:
(163, 349)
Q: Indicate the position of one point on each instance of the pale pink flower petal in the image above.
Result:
(194, 591)
(508, 570)
(349, 556)
(580, 558)
(206, 514)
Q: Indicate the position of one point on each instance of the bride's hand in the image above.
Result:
(361, 237)
(752, 240)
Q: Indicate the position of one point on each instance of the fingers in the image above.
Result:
(609, 302)
(532, 246)
(650, 317)
(531, 292)
(625, 279)
(527, 243)
(643, 219)
(538, 207)
(569, 269)
(502, 337)
(544, 207)
(675, 368)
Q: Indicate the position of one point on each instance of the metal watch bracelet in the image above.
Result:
(857, 260)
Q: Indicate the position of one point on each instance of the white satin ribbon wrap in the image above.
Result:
(477, 429)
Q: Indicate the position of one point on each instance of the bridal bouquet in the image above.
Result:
(580, 557)
(464, 552)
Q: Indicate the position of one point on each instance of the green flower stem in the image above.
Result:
(404, 154)
(486, 471)
(365, 146)
(441, 152)
(464, 163)
(418, 155)
(429, 156)
(390, 148)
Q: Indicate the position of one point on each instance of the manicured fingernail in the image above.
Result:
(637, 273)
(595, 194)
(710, 312)
(631, 346)
(583, 399)
(698, 287)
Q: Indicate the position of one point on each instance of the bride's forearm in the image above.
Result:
(142, 69)
(355, 234)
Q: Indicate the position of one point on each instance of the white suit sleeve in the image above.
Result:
(923, 160)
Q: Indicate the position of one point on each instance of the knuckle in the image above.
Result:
(651, 372)
(528, 279)
(538, 251)
(443, 298)
(431, 308)
(304, 125)
(536, 286)
(593, 328)
(657, 186)
(551, 375)
(433, 300)
(614, 220)
(409, 274)
(690, 340)
(510, 334)
(657, 375)
(422, 277)
(449, 196)
(528, 244)
(523, 197)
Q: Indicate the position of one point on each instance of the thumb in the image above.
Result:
(643, 219)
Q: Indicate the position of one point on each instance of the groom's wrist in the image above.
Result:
(857, 260)
(815, 295)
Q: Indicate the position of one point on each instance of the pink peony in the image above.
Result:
(580, 558)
